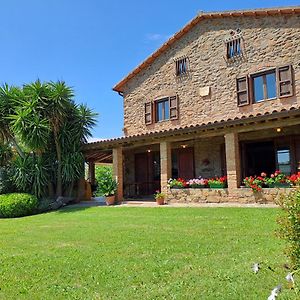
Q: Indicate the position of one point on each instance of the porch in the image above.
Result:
(143, 164)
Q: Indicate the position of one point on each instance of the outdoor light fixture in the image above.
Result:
(278, 129)
(184, 146)
(148, 150)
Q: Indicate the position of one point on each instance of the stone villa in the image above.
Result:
(220, 97)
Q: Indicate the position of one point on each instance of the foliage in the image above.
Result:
(277, 177)
(6, 154)
(17, 205)
(188, 253)
(218, 181)
(158, 194)
(6, 180)
(177, 183)
(254, 182)
(107, 185)
(101, 171)
(46, 128)
(290, 225)
(31, 174)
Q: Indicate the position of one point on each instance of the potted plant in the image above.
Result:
(159, 197)
(218, 182)
(254, 182)
(177, 183)
(295, 179)
(107, 187)
(278, 179)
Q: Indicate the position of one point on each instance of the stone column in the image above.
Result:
(118, 171)
(233, 161)
(165, 165)
(92, 178)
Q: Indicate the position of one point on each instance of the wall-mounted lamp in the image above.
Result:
(184, 146)
(278, 129)
(149, 150)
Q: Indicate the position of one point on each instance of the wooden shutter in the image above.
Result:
(148, 113)
(242, 91)
(285, 81)
(173, 106)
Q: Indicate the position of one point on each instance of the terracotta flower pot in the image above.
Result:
(110, 200)
(160, 201)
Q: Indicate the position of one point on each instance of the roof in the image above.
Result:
(201, 16)
(242, 121)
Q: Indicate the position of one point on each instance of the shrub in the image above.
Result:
(106, 184)
(17, 205)
(290, 225)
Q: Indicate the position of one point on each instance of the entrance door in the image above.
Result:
(259, 157)
(147, 173)
(186, 163)
(183, 163)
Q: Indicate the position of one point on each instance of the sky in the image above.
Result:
(93, 44)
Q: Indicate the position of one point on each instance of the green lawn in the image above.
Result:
(140, 253)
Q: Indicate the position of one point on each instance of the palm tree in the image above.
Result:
(9, 96)
(52, 127)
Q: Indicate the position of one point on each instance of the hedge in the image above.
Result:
(17, 205)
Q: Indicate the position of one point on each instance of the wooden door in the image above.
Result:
(186, 163)
(147, 173)
(141, 173)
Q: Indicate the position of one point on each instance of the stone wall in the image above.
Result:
(208, 158)
(241, 195)
(269, 41)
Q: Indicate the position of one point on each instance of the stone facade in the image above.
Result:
(269, 41)
(243, 195)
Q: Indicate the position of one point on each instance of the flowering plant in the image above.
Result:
(197, 182)
(255, 182)
(221, 181)
(277, 177)
(158, 194)
(177, 183)
(295, 179)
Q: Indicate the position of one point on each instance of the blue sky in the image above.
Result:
(92, 44)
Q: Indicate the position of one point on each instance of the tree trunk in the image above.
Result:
(71, 188)
(19, 150)
(51, 190)
(59, 172)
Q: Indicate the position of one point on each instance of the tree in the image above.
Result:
(51, 128)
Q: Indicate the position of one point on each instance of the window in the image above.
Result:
(284, 160)
(181, 66)
(264, 86)
(234, 48)
(270, 84)
(161, 110)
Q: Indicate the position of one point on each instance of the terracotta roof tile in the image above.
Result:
(228, 122)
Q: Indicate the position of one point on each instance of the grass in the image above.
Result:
(140, 253)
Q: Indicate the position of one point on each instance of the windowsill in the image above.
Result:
(162, 121)
(265, 100)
